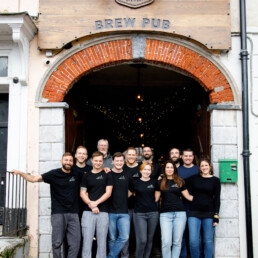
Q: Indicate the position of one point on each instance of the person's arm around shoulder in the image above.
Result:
(28, 177)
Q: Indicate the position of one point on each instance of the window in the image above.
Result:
(3, 66)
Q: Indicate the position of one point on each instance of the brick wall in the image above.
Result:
(158, 52)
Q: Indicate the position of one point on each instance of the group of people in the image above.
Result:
(116, 190)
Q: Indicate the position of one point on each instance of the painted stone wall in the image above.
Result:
(51, 146)
(224, 145)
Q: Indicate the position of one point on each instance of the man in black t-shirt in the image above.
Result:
(131, 167)
(96, 188)
(81, 156)
(64, 187)
(119, 219)
(80, 166)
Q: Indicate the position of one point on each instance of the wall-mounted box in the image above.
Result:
(228, 170)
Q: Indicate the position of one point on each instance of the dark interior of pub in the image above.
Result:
(138, 105)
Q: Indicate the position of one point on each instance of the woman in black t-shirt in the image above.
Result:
(172, 210)
(146, 214)
(204, 208)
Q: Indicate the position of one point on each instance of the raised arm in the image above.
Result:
(28, 177)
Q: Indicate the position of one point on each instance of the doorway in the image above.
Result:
(138, 105)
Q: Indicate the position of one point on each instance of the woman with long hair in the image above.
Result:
(204, 209)
(146, 214)
(172, 210)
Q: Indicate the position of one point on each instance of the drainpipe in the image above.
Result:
(246, 152)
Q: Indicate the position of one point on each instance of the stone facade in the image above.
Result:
(52, 139)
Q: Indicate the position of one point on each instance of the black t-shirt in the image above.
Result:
(96, 184)
(64, 188)
(171, 199)
(206, 192)
(157, 171)
(82, 170)
(145, 195)
(134, 174)
(118, 202)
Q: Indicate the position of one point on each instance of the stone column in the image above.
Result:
(51, 148)
(224, 145)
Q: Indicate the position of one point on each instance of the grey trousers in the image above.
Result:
(144, 225)
(90, 223)
(65, 224)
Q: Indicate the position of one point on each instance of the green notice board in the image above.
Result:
(228, 170)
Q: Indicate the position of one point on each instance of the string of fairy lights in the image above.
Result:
(138, 122)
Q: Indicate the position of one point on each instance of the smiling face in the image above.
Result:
(118, 162)
(169, 170)
(97, 162)
(147, 153)
(205, 168)
(146, 171)
(67, 162)
(175, 155)
(188, 158)
(131, 156)
(81, 155)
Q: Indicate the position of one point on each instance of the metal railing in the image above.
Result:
(15, 204)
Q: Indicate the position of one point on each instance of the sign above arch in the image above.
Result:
(63, 21)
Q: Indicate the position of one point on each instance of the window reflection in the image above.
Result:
(3, 66)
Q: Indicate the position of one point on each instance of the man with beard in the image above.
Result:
(185, 171)
(132, 168)
(174, 155)
(64, 187)
(102, 147)
(147, 158)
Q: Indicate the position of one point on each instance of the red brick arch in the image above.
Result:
(157, 52)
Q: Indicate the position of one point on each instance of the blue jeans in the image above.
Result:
(118, 223)
(194, 225)
(172, 226)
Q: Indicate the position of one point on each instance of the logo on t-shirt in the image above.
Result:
(135, 175)
(121, 178)
(72, 179)
(175, 185)
(99, 177)
(150, 186)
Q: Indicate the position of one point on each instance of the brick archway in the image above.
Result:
(157, 52)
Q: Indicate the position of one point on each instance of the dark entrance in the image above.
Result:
(3, 150)
(137, 105)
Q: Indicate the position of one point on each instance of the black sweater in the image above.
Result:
(206, 192)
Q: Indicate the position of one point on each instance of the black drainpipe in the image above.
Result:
(246, 152)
